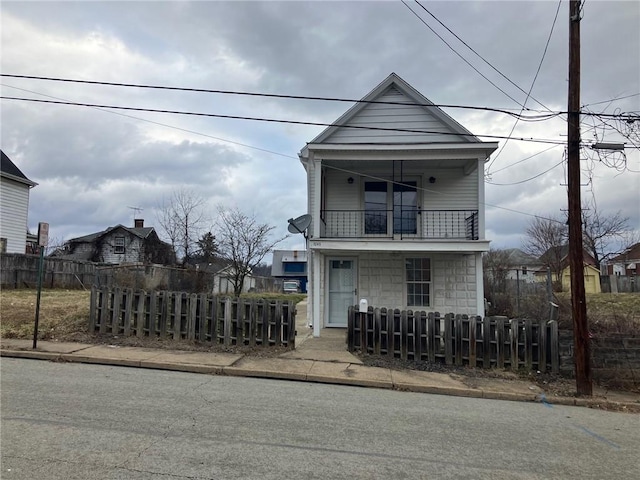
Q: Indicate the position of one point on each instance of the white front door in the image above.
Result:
(342, 290)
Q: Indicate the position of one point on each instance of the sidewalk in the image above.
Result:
(324, 360)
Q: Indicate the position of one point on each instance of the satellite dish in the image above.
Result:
(300, 224)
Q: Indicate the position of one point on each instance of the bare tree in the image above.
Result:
(182, 219)
(600, 232)
(243, 242)
(546, 239)
(497, 264)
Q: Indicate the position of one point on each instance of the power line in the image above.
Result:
(528, 179)
(164, 125)
(458, 54)
(544, 115)
(544, 54)
(524, 159)
(274, 120)
(253, 94)
(483, 59)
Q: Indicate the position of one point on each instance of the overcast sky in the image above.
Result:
(93, 165)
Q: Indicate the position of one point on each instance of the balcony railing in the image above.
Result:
(400, 224)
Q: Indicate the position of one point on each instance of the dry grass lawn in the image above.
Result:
(64, 314)
(607, 312)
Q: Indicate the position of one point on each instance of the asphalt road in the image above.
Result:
(74, 421)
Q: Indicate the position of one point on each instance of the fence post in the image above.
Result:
(192, 319)
(153, 312)
(542, 346)
(528, 344)
(431, 337)
(448, 338)
(177, 315)
(377, 330)
(404, 334)
(128, 304)
(140, 313)
(227, 320)
(500, 341)
(458, 339)
(473, 326)
(515, 333)
(204, 312)
(165, 299)
(92, 309)
(555, 351)
(486, 342)
(417, 335)
(350, 327)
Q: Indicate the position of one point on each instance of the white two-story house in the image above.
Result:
(396, 194)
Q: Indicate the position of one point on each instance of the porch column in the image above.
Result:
(316, 299)
(479, 284)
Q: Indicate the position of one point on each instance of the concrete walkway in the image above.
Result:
(324, 359)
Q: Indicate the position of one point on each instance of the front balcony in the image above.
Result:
(400, 224)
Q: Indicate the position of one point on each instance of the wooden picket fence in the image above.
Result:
(196, 316)
(455, 339)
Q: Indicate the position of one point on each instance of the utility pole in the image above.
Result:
(581, 352)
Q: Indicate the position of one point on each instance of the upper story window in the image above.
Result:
(119, 245)
(293, 267)
(375, 207)
(382, 199)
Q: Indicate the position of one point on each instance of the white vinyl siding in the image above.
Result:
(452, 190)
(411, 117)
(14, 205)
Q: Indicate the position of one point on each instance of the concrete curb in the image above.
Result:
(326, 379)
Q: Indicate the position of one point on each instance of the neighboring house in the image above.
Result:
(14, 206)
(396, 194)
(223, 281)
(591, 279)
(290, 265)
(560, 256)
(523, 266)
(119, 245)
(625, 264)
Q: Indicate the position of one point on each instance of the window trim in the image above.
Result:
(390, 211)
(428, 282)
(117, 248)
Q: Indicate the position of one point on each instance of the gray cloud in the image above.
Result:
(92, 165)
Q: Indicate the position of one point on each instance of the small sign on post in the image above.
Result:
(43, 240)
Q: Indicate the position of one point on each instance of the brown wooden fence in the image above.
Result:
(455, 339)
(195, 316)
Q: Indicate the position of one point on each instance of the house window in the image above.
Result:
(375, 208)
(405, 208)
(404, 200)
(293, 267)
(524, 270)
(418, 278)
(119, 246)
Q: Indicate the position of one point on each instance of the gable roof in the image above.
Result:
(8, 169)
(562, 253)
(92, 237)
(631, 253)
(395, 85)
(519, 258)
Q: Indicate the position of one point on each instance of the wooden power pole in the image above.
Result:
(581, 353)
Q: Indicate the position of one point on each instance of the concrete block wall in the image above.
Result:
(454, 283)
(453, 287)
